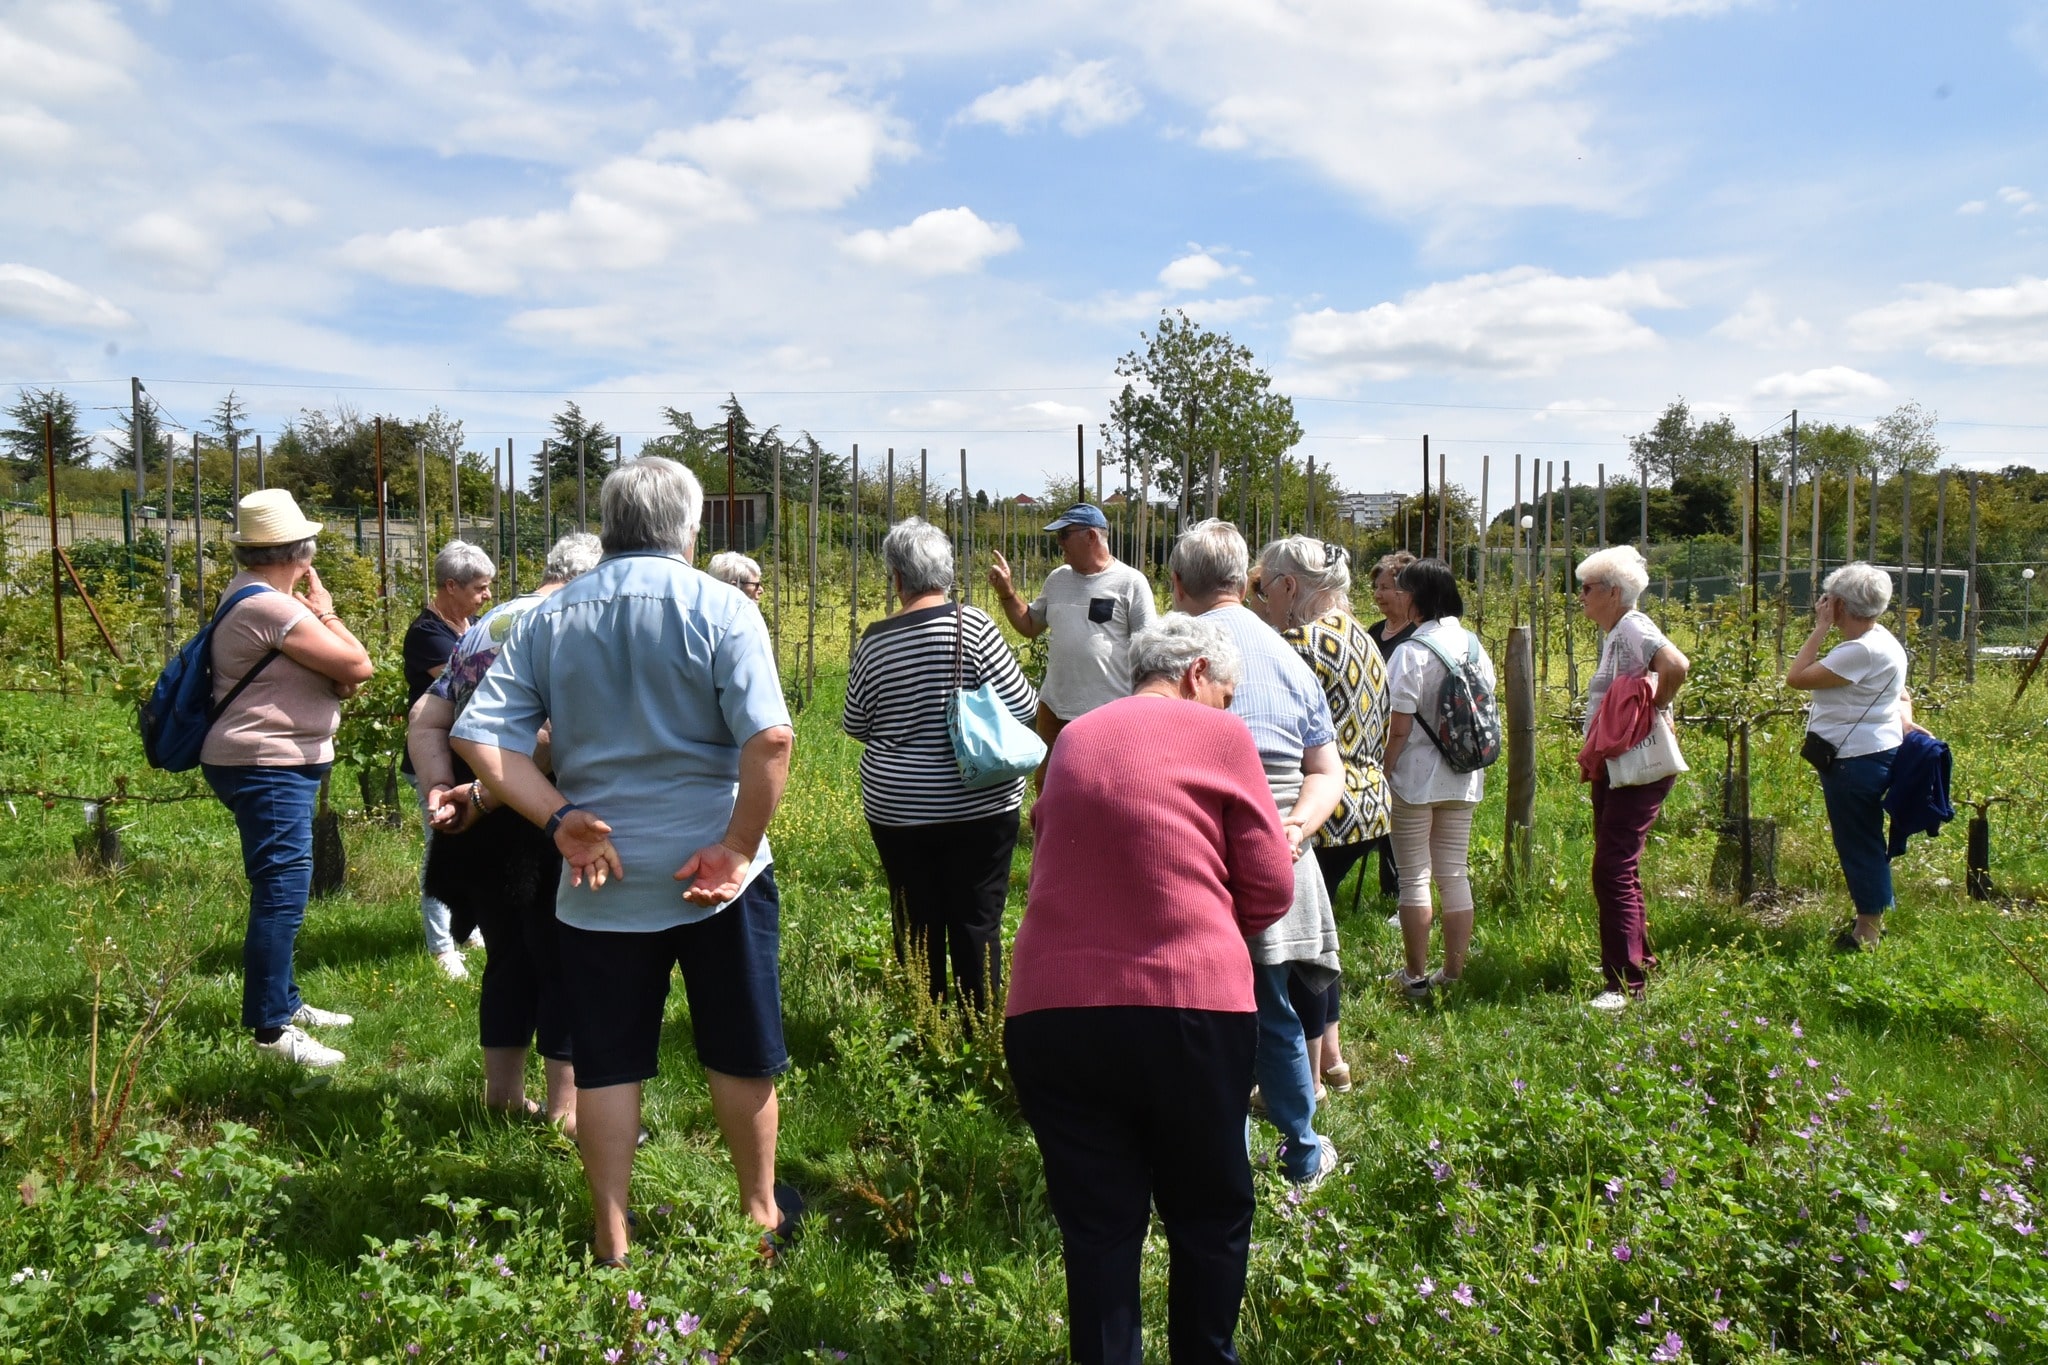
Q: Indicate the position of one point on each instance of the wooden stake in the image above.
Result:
(1521, 737)
(1940, 548)
(56, 554)
(811, 627)
(1485, 476)
(1973, 602)
(383, 538)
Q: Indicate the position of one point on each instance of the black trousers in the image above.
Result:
(947, 885)
(1118, 1140)
(502, 874)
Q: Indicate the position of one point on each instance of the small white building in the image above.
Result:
(1370, 511)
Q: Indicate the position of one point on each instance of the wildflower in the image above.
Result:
(614, 1356)
(1441, 1170)
(1797, 1032)
(1529, 1277)
(1995, 1315)
(967, 1276)
(1862, 1224)
(1623, 1252)
(635, 1300)
(1947, 1198)
(412, 1348)
(1426, 1288)
(1372, 1319)
(1402, 1058)
(2023, 1229)
(1463, 1294)
(656, 1326)
(686, 1323)
(1669, 1178)
(1645, 1318)
(1915, 1237)
(1518, 1085)
(664, 1210)
(945, 1279)
(1614, 1188)
(1722, 1324)
(1672, 1349)
(1899, 1285)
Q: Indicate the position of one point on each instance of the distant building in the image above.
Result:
(1025, 500)
(1370, 511)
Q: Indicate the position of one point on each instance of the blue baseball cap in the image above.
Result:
(1081, 514)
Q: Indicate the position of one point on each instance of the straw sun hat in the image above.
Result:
(271, 517)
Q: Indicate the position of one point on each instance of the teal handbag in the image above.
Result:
(989, 745)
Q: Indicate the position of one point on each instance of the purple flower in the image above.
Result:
(1797, 1032)
(1519, 1085)
(686, 1323)
(1463, 1294)
(1915, 1237)
(614, 1356)
(635, 1300)
(1669, 1178)
(1721, 1324)
(1812, 1065)
(1947, 1198)
(1672, 1349)
(1401, 1057)
(1623, 1252)
(944, 1278)
(1426, 1288)
(967, 1277)
(1614, 1188)
(1995, 1315)
(1372, 1319)
(1899, 1285)
(1441, 1170)
(2023, 1229)
(1645, 1318)
(412, 1348)
(1862, 1224)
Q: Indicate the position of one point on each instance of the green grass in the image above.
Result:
(332, 1217)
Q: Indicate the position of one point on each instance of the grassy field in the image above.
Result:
(1786, 1155)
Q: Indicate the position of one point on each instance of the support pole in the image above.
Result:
(1600, 472)
(137, 438)
(1485, 476)
(811, 625)
(1543, 572)
(198, 535)
(498, 508)
(1517, 570)
(56, 554)
(1422, 512)
(1080, 464)
(512, 511)
(782, 539)
(1904, 632)
(853, 572)
(1972, 601)
(731, 480)
(259, 464)
(419, 514)
(1940, 555)
(1813, 566)
(383, 538)
(1571, 657)
(1443, 508)
(1521, 708)
(170, 558)
(965, 578)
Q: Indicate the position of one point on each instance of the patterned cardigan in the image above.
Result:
(1354, 678)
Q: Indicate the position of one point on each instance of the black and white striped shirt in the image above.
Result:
(896, 695)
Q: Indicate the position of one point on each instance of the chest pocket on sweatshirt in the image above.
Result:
(1101, 610)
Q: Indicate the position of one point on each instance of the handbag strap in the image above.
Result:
(1890, 688)
(959, 644)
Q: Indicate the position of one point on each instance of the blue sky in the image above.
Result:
(1512, 226)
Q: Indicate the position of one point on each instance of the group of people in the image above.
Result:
(599, 761)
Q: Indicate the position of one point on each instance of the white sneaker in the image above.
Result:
(1326, 1166)
(1609, 1001)
(475, 939)
(453, 965)
(311, 1017)
(301, 1048)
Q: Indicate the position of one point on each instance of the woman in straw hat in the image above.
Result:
(265, 755)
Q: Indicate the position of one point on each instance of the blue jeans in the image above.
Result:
(1854, 788)
(273, 810)
(1281, 1066)
(435, 916)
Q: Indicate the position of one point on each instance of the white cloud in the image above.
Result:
(38, 296)
(66, 50)
(1999, 325)
(1195, 271)
(1835, 381)
(807, 149)
(1756, 323)
(1084, 98)
(1523, 321)
(179, 249)
(942, 242)
(1972, 206)
(494, 255)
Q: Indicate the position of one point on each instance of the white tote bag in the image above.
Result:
(1654, 759)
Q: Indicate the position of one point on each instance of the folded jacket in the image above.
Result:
(1917, 798)
(1621, 723)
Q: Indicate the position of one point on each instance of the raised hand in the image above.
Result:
(999, 575)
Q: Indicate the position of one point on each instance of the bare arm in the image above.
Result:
(1805, 673)
(716, 873)
(324, 644)
(515, 780)
(1671, 667)
(1322, 786)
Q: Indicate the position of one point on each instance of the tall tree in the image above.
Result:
(229, 423)
(1678, 447)
(153, 440)
(1193, 392)
(571, 425)
(1903, 440)
(24, 439)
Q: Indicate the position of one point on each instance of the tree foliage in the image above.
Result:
(571, 426)
(1677, 446)
(24, 438)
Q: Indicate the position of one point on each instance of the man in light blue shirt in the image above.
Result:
(1284, 707)
(670, 744)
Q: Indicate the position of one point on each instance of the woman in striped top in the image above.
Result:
(945, 850)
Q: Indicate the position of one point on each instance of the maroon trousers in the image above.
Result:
(1622, 817)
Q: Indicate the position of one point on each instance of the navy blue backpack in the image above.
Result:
(181, 709)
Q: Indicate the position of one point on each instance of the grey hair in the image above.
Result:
(1210, 556)
(1621, 566)
(651, 503)
(919, 554)
(1391, 563)
(1864, 590)
(1322, 569)
(730, 566)
(260, 556)
(1169, 647)
(572, 556)
(462, 562)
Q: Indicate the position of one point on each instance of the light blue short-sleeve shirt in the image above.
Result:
(1278, 696)
(653, 675)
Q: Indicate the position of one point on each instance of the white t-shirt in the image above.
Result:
(1862, 718)
(1420, 776)
(1626, 653)
(1091, 618)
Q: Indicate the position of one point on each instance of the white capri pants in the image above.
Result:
(1433, 842)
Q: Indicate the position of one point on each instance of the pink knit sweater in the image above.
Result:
(1157, 851)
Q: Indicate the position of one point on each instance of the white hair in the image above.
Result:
(573, 555)
(291, 552)
(1864, 590)
(1322, 569)
(651, 503)
(1209, 557)
(1621, 566)
(920, 555)
(1169, 647)
(730, 566)
(462, 562)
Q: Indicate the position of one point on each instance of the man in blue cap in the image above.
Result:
(1092, 604)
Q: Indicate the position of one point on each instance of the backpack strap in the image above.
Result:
(219, 708)
(1450, 665)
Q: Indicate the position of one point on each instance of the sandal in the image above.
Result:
(1847, 942)
(1338, 1077)
(791, 1206)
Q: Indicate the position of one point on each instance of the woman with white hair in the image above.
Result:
(730, 566)
(945, 849)
(1861, 712)
(1304, 588)
(1610, 583)
(462, 584)
(499, 870)
(1159, 853)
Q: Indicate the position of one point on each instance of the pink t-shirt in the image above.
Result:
(288, 716)
(1157, 852)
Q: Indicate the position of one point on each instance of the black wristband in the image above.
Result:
(555, 820)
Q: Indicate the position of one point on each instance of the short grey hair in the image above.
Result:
(1322, 569)
(1864, 590)
(651, 503)
(1391, 563)
(1209, 557)
(462, 562)
(730, 566)
(1169, 647)
(919, 554)
(260, 556)
(1621, 566)
(572, 556)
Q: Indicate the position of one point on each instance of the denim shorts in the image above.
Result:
(618, 989)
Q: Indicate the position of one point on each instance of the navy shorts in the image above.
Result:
(618, 988)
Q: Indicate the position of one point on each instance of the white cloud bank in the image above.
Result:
(1835, 381)
(1196, 270)
(942, 242)
(1083, 98)
(1524, 321)
(38, 296)
(1998, 325)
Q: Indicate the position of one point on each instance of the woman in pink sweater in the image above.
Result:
(1158, 852)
